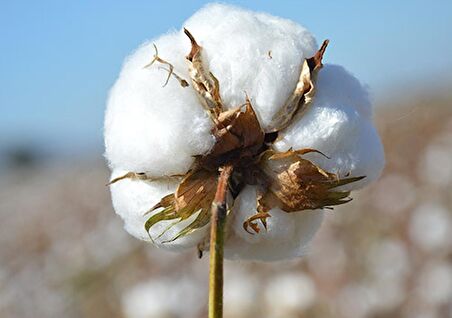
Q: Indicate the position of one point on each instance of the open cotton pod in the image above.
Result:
(247, 91)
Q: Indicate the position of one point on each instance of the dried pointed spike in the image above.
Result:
(165, 202)
(170, 71)
(126, 176)
(338, 195)
(315, 62)
(247, 224)
(166, 214)
(204, 82)
(341, 182)
(195, 48)
(181, 81)
(309, 150)
(264, 223)
(339, 201)
(303, 93)
(290, 152)
(201, 220)
(156, 54)
(129, 175)
(250, 222)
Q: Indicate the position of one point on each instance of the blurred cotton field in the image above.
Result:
(388, 253)
(65, 253)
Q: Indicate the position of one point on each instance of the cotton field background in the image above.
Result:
(64, 252)
(386, 254)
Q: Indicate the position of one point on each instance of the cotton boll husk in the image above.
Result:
(133, 198)
(287, 236)
(151, 128)
(339, 124)
(237, 44)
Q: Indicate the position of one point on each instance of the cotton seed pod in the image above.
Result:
(244, 89)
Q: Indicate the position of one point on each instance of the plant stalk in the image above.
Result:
(218, 220)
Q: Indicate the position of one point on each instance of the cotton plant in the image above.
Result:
(234, 127)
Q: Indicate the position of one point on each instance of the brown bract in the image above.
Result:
(239, 138)
(285, 180)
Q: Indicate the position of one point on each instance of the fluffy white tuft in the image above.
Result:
(237, 47)
(287, 236)
(151, 128)
(158, 130)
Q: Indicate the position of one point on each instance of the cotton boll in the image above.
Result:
(151, 128)
(158, 130)
(133, 198)
(287, 236)
(253, 53)
(338, 124)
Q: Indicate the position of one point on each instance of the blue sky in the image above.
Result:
(59, 58)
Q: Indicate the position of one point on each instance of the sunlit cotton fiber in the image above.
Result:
(156, 129)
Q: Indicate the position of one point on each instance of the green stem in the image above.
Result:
(218, 220)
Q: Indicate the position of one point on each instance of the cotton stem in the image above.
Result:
(218, 221)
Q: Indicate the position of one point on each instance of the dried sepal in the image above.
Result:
(296, 184)
(181, 81)
(129, 175)
(238, 135)
(143, 176)
(251, 222)
(204, 82)
(193, 195)
(315, 62)
(303, 93)
(291, 152)
(261, 215)
(170, 71)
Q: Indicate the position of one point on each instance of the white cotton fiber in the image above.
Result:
(155, 129)
(151, 128)
(252, 52)
(287, 236)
